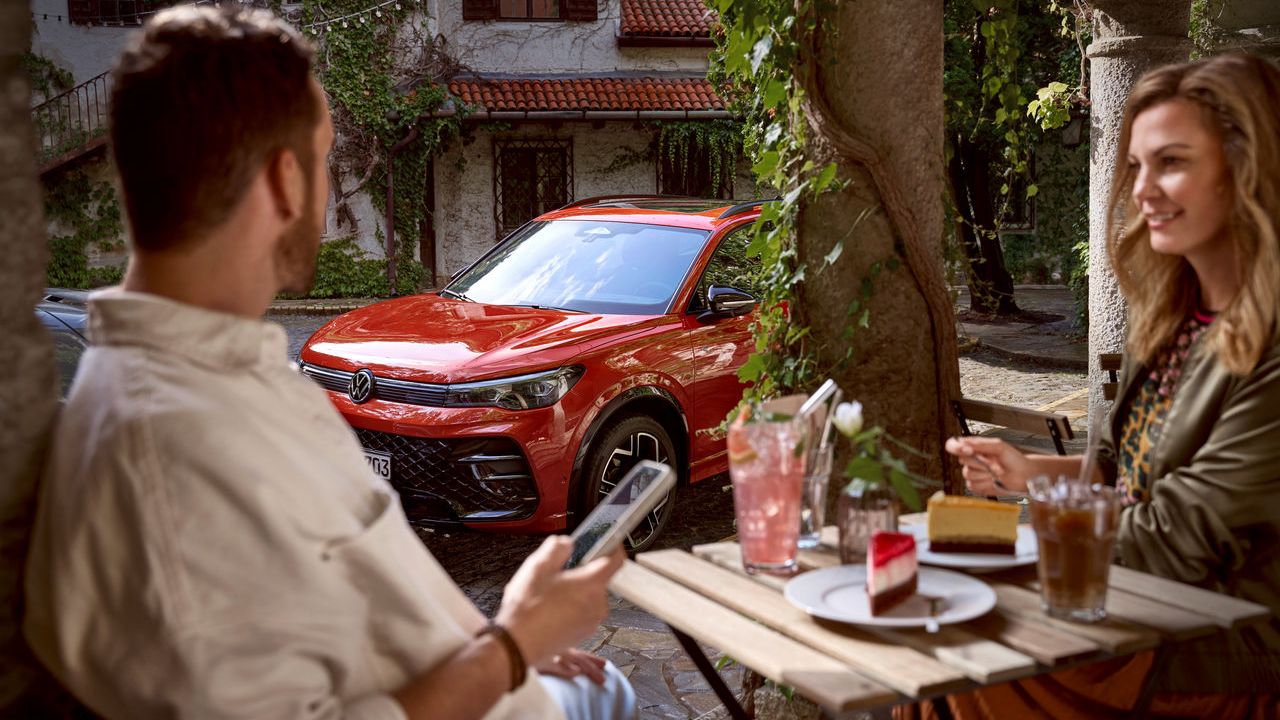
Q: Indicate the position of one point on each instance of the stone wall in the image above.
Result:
(547, 48)
(85, 50)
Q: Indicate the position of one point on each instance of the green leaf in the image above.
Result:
(766, 165)
(753, 369)
(825, 178)
(902, 484)
(1057, 87)
(834, 255)
(865, 468)
(1032, 191)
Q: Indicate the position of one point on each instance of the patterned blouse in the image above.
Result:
(1141, 430)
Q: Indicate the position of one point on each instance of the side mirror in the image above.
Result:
(726, 302)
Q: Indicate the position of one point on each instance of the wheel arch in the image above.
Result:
(656, 402)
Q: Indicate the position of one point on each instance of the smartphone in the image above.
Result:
(634, 497)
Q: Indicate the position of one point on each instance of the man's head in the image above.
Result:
(207, 102)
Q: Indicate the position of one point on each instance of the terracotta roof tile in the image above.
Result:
(665, 18)
(587, 94)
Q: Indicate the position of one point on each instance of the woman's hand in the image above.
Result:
(573, 662)
(991, 466)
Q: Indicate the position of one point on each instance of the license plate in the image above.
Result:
(379, 463)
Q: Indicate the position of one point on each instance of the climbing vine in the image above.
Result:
(384, 76)
(754, 64)
(82, 213)
(47, 78)
(718, 142)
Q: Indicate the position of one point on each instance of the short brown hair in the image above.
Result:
(201, 97)
(1239, 98)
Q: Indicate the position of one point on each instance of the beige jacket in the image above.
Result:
(1214, 515)
(211, 544)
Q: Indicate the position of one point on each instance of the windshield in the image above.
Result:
(613, 268)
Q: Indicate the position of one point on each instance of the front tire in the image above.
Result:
(620, 446)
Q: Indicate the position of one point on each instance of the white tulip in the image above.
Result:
(848, 418)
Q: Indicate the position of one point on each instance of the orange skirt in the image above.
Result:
(1107, 689)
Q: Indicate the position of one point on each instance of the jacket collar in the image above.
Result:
(205, 337)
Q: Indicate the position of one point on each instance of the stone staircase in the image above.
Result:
(73, 124)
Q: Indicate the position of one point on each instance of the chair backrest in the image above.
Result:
(1036, 422)
(1110, 363)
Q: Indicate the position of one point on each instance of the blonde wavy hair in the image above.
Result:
(1240, 98)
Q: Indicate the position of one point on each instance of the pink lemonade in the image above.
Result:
(767, 478)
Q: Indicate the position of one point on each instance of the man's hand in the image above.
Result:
(548, 609)
(573, 662)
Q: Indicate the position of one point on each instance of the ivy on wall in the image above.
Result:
(83, 213)
(384, 77)
(719, 142)
(47, 78)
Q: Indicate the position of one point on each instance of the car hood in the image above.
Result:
(429, 338)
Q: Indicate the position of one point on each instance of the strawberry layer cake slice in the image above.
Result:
(891, 569)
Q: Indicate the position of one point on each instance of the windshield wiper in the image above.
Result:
(456, 294)
(553, 307)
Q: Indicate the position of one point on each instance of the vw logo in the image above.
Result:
(361, 386)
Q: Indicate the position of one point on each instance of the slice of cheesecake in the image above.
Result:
(971, 525)
(891, 569)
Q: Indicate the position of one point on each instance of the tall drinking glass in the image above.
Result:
(767, 472)
(813, 496)
(1075, 525)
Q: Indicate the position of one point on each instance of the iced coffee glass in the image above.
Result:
(767, 472)
(1075, 526)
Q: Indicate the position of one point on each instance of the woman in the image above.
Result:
(1194, 437)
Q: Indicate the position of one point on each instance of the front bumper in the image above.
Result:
(452, 480)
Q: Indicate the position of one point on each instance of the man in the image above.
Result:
(209, 541)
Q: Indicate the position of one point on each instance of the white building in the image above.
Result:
(577, 85)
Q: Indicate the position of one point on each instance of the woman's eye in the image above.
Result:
(1170, 161)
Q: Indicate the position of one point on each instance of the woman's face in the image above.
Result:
(1182, 184)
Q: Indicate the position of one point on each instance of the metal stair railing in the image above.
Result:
(73, 123)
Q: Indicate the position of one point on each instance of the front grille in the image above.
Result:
(401, 391)
(478, 479)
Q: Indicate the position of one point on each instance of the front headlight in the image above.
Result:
(525, 392)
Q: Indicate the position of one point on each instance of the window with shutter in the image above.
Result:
(113, 12)
(579, 10)
(479, 9)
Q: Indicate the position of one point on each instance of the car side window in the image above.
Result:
(730, 266)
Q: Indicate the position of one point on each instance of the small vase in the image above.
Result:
(864, 508)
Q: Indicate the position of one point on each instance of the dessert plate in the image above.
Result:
(1025, 552)
(840, 593)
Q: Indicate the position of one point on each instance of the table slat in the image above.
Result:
(1048, 645)
(819, 677)
(890, 662)
(1113, 634)
(1228, 612)
(982, 659)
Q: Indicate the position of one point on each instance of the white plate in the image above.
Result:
(1025, 552)
(840, 593)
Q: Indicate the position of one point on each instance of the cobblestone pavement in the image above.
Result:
(666, 682)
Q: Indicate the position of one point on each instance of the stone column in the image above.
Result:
(27, 385)
(1130, 37)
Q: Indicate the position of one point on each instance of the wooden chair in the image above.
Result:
(1046, 424)
(1110, 363)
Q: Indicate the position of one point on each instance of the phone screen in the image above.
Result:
(619, 513)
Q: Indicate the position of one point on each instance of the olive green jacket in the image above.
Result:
(1213, 518)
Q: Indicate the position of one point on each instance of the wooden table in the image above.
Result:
(705, 597)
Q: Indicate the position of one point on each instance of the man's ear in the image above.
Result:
(287, 185)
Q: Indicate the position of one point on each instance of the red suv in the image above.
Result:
(597, 335)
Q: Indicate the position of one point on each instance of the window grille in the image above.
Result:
(530, 177)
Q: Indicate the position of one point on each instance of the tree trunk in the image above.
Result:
(28, 386)
(874, 101)
(969, 175)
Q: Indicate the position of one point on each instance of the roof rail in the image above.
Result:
(744, 207)
(607, 198)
